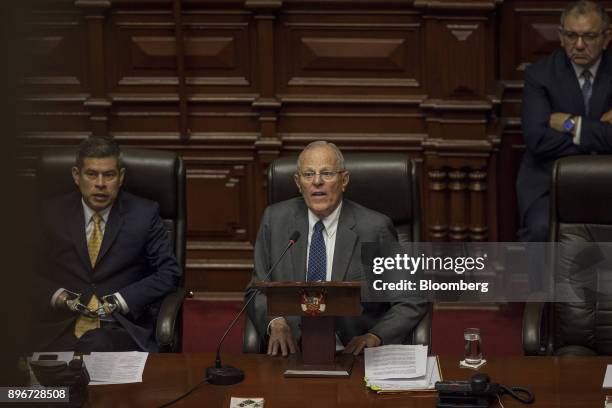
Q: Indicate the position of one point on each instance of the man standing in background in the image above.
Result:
(566, 110)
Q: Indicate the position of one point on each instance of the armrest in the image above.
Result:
(534, 337)
(422, 332)
(251, 342)
(167, 318)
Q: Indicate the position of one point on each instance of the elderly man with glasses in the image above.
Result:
(567, 102)
(332, 230)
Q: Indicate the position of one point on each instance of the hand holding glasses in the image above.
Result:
(72, 301)
(108, 306)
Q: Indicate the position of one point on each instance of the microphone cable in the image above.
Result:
(192, 389)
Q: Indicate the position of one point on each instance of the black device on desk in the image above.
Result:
(74, 375)
(477, 393)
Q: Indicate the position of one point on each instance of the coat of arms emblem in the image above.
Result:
(313, 304)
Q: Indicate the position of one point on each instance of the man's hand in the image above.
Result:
(71, 301)
(108, 306)
(281, 337)
(557, 119)
(358, 343)
(607, 117)
(62, 299)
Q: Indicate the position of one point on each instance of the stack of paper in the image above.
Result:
(115, 368)
(397, 368)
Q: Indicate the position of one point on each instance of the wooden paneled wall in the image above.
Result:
(233, 84)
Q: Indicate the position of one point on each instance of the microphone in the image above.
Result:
(228, 375)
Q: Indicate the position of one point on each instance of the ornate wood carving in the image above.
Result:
(436, 205)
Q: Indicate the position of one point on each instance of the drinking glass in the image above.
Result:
(472, 346)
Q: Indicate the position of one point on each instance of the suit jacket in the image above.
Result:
(135, 259)
(551, 86)
(392, 322)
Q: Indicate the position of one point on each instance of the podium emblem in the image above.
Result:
(313, 304)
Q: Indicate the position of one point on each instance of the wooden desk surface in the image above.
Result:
(556, 382)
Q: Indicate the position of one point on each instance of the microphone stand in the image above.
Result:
(228, 375)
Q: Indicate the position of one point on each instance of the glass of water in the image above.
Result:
(472, 347)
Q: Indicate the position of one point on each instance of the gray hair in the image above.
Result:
(584, 7)
(322, 143)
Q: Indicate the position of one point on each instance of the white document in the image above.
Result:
(115, 368)
(395, 361)
(607, 383)
(426, 382)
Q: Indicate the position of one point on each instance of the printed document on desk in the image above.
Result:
(115, 368)
(398, 368)
(395, 361)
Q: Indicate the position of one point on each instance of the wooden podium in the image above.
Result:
(318, 303)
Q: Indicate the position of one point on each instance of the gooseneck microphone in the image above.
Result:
(228, 375)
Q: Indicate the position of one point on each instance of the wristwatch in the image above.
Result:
(569, 124)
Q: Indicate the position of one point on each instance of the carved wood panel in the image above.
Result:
(55, 44)
(460, 44)
(344, 51)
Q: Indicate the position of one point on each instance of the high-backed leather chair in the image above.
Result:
(580, 213)
(384, 182)
(155, 175)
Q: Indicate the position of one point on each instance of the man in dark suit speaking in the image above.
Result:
(566, 109)
(108, 261)
(332, 231)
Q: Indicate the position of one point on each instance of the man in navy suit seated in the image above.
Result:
(108, 261)
(566, 109)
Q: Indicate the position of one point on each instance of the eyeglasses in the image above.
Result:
(588, 38)
(326, 175)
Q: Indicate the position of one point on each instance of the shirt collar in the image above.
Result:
(88, 212)
(330, 222)
(593, 68)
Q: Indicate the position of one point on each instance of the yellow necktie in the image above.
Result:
(95, 239)
(84, 323)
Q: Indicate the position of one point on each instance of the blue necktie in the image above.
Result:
(317, 258)
(587, 89)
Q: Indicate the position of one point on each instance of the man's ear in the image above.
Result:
(345, 179)
(75, 175)
(121, 176)
(296, 179)
(607, 36)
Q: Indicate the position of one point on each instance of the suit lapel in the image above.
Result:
(574, 93)
(299, 250)
(601, 90)
(346, 239)
(113, 226)
(77, 232)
